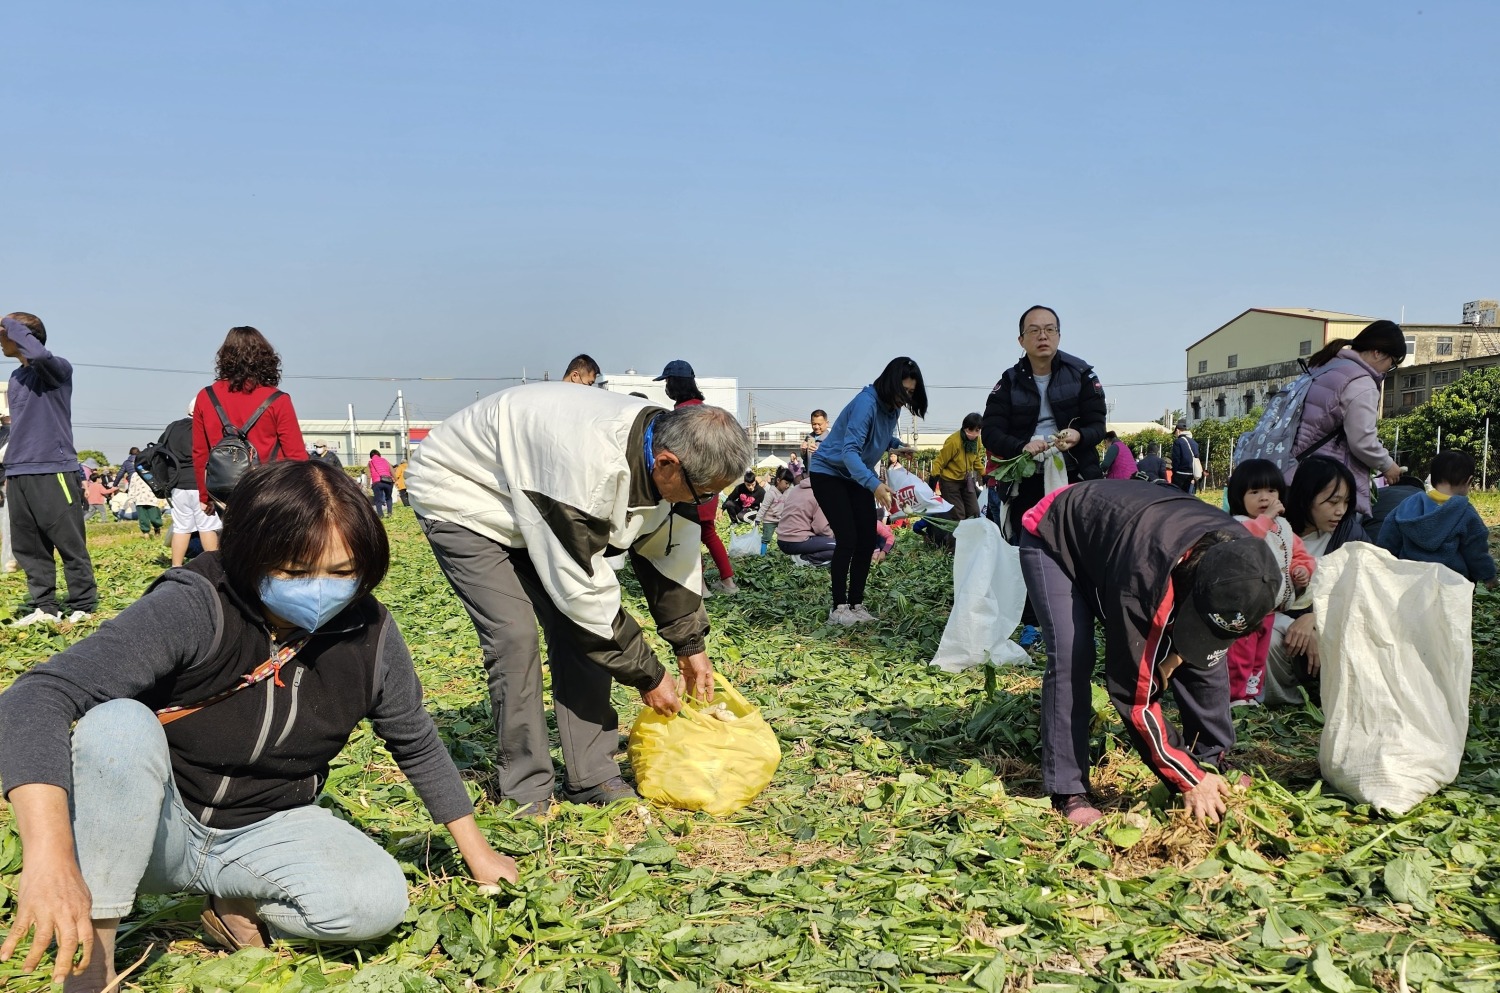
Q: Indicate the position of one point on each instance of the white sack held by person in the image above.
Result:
(1395, 640)
(989, 594)
(913, 496)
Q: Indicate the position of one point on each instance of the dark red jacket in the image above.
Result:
(278, 423)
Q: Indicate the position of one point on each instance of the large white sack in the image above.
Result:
(989, 594)
(1395, 641)
(912, 495)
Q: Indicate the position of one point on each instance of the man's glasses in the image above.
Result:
(1047, 332)
(698, 498)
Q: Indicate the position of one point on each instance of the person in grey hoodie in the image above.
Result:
(43, 475)
(182, 747)
(1441, 525)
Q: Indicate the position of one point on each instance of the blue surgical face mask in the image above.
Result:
(307, 603)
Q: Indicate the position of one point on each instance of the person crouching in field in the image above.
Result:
(1174, 582)
(208, 712)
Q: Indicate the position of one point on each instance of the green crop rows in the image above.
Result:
(902, 846)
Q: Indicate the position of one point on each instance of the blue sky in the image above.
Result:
(787, 193)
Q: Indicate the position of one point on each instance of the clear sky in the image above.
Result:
(789, 193)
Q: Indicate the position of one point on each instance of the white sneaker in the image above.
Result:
(797, 560)
(37, 617)
(860, 614)
(9, 566)
(841, 616)
(728, 586)
(79, 616)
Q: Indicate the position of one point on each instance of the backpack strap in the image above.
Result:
(224, 420)
(277, 395)
(1312, 449)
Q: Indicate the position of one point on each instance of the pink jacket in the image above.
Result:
(380, 469)
(801, 517)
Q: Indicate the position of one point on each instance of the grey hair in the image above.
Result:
(712, 446)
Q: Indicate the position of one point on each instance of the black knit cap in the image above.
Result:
(1385, 337)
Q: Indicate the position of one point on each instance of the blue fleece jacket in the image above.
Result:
(41, 409)
(1451, 533)
(864, 430)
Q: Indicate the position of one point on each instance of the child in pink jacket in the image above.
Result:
(1255, 493)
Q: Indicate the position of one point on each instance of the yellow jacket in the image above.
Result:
(953, 463)
(400, 473)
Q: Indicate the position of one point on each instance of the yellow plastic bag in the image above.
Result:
(697, 762)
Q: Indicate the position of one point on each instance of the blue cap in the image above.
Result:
(678, 368)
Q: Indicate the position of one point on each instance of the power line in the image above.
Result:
(353, 379)
(518, 379)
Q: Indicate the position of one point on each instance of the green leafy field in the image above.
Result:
(902, 845)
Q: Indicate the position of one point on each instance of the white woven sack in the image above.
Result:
(913, 496)
(1395, 639)
(989, 594)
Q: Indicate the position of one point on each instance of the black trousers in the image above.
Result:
(850, 509)
(46, 516)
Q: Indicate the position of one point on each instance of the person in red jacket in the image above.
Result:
(247, 370)
(682, 390)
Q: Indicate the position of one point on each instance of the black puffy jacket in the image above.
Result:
(1015, 404)
(1077, 400)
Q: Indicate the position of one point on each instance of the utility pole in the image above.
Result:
(754, 434)
(353, 437)
(401, 416)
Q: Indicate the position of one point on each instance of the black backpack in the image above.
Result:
(234, 456)
(167, 463)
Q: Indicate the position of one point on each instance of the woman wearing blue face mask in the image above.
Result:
(207, 715)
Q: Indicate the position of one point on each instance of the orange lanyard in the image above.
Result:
(271, 667)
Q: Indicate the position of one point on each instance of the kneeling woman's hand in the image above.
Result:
(486, 865)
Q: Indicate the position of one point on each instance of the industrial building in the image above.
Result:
(1237, 366)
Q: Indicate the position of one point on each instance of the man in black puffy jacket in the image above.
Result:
(1047, 393)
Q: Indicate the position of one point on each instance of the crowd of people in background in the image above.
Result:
(531, 501)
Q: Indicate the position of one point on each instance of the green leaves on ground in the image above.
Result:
(904, 843)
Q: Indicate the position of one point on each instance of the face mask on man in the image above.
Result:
(307, 603)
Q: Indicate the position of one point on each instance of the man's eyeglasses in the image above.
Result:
(698, 498)
(1047, 332)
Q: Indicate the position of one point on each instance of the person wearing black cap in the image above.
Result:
(682, 390)
(1174, 582)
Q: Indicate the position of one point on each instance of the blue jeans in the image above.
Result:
(311, 874)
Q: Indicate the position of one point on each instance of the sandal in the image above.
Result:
(1078, 808)
(219, 934)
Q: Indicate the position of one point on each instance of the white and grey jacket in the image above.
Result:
(561, 471)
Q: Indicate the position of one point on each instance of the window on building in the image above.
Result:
(1409, 399)
(1249, 401)
(1414, 381)
(1197, 410)
(1445, 345)
(386, 445)
(1442, 377)
(1411, 344)
(1223, 405)
(781, 436)
(1234, 361)
(1202, 366)
(1305, 347)
(765, 436)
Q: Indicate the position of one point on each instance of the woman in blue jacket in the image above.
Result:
(845, 483)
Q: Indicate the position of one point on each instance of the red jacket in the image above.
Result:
(278, 423)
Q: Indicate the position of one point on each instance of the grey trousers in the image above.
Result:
(500, 589)
(1286, 674)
